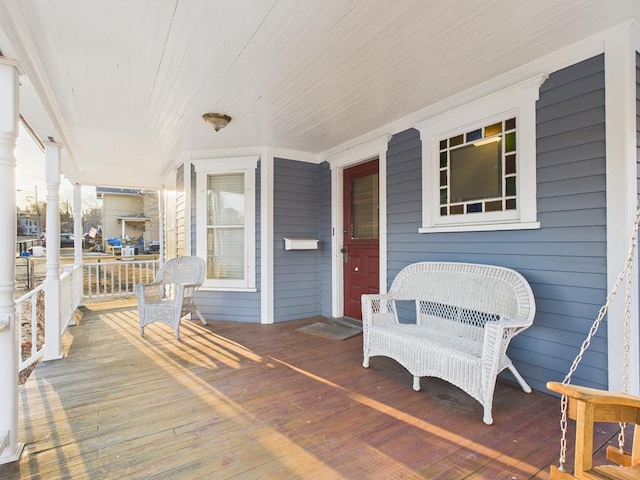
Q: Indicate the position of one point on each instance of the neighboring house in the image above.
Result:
(130, 215)
(27, 224)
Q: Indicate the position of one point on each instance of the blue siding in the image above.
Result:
(297, 214)
(232, 306)
(565, 260)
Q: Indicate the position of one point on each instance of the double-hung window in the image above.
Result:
(225, 204)
(479, 163)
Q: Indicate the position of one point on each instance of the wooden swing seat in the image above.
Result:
(587, 406)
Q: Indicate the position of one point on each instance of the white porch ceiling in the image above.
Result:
(123, 83)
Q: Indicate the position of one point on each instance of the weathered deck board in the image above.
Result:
(262, 401)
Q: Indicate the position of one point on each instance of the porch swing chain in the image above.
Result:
(625, 274)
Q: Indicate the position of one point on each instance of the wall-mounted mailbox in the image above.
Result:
(300, 243)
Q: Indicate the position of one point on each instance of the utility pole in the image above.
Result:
(37, 214)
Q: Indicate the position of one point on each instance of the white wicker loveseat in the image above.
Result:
(466, 315)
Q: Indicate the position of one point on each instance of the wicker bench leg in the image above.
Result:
(487, 418)
(416, 384)
(524, 385)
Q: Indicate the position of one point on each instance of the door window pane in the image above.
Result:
(364, 207)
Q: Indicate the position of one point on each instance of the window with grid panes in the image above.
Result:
(225, 215)
(479, 163)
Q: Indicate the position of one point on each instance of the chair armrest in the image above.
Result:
(157, 292)
(378, 309)
(595, 396)
(498, 335)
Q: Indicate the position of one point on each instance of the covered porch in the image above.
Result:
(235, 400)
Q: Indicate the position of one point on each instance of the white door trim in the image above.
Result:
(338, 163)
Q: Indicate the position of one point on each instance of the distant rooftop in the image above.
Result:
(100, 191)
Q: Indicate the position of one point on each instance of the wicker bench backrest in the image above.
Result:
(461, 298)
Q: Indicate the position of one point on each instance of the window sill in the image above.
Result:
(205, 288)
(480, 227)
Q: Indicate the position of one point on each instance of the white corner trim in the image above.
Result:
(186, 177)
(267, 303)
(621, 174)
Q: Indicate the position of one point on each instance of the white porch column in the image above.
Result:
(77, 224)
(622, 197)
(52, 328)
(267, 311)
(10, 449)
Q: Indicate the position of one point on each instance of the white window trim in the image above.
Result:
(518, 100)
(216, 166)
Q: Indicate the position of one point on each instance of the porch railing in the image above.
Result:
(71, 293)
(92, 281)
(30, 317)
(114, 279)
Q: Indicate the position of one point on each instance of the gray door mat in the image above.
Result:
(335, 328)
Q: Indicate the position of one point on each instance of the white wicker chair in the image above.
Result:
(465, 317)
(170, 296)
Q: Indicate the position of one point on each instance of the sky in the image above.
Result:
(30, 175)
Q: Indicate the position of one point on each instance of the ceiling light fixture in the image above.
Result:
(216, 120)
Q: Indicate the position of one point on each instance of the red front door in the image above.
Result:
(360, 235)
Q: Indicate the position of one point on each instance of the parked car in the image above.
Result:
(66, 240)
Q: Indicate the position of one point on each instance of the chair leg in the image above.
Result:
(195, 309)
(524, 385)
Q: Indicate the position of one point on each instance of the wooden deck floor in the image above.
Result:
(248, 401)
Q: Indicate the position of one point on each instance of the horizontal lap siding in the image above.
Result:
(564, 260)
(297, 203)
(233, 306)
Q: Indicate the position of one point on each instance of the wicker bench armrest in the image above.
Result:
(378, 309)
